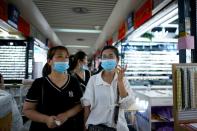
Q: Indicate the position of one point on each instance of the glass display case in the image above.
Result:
(148, 64)
(13, 61)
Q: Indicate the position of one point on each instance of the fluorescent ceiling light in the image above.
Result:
(77, 46)
(76, 30)
(155, 21)
(153, 40)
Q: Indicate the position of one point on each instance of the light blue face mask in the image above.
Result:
(109, 64)
(60, 67)
(84, 67)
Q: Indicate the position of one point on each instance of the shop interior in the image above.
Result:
(150, 53)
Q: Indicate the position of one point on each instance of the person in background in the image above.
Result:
(53, 101)
(80, 69)
(1, 82)
(71, 59)
(104, 92)
(100, 68)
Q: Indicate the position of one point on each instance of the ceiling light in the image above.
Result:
(80, 10)
(80, 39)
(140, 39)
(11, 43)
(97, 27)
(77, 46)
(76, 30)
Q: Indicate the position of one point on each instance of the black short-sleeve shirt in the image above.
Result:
(52, 100)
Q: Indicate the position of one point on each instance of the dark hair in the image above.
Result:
(46, 70)
(113, 48)
(51, 52)
(100, 68)
(71, 59)
(80, 55)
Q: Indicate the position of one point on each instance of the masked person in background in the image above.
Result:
(79, 68)
(107, 95)
(54, 100)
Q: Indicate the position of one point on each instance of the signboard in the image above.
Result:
(121, 31)
(3, 10)
(143, 14)
(13, 15)
(23, 26)
(110, 41)
(130, 21)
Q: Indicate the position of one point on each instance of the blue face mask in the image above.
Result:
(108, 65)
(60, 67)
(84, 67)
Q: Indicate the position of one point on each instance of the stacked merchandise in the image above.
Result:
(186, 88)
(185, 94)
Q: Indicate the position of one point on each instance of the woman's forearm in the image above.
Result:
(122, 91)
(73, 111)
(36, 116)
(86, 113)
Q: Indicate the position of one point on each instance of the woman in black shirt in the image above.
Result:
(79, 68)
(53, 101)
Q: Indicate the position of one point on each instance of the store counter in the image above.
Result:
(155, 110)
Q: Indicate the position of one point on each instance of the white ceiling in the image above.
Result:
(59, 14)
(47, 15)
(70, 39)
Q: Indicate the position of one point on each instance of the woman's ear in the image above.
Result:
(78, 62)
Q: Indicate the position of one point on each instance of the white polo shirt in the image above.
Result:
(101, 97)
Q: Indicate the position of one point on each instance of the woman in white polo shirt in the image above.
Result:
(100, 97)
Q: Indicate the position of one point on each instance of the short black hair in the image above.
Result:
(113, 48)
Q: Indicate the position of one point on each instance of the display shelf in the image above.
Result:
(157, 106)
(12, 62)
(148, 62)
(152, 87)
(185, 94)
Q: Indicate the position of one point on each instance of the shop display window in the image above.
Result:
(148, 63)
